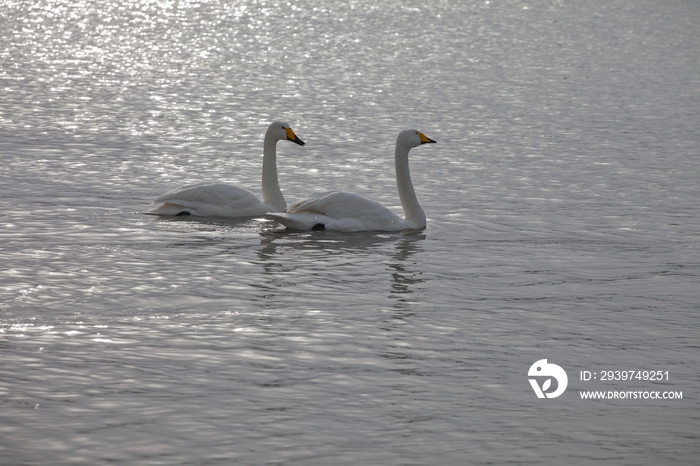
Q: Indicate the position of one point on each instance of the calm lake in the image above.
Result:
(563, 224)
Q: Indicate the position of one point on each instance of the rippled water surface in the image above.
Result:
(562, 203)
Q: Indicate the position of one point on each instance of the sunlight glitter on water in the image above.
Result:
(562, 223)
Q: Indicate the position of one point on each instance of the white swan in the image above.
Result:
(352, 212)
(225, 200)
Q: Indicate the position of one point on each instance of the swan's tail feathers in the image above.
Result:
(302, 206)
(300, 221)
(168, 208)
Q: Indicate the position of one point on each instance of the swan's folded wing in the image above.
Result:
(206, 192)
(209, 199)
(341, 212)
(340, 205)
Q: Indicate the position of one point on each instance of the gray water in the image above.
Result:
(562, 204)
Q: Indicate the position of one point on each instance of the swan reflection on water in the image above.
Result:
(306, 264)
(284, 255)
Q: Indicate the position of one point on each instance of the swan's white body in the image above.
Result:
(351, 212)
(225, 200)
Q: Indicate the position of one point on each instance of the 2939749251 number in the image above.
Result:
(634, 375)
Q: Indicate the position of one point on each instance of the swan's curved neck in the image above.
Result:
(270, 183)
(411, 208)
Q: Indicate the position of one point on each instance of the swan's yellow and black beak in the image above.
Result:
(293, 137)
(425, 139)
